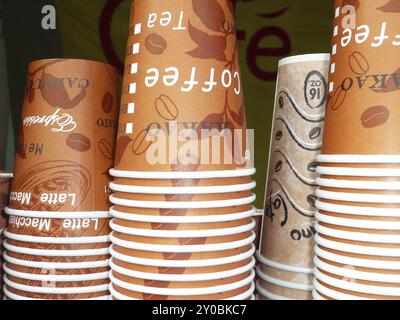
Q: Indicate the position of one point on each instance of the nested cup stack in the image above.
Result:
(57, 239)
(358, 240)
(182, 201)
(287, 240)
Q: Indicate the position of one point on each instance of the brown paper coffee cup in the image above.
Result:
(182, 64)
(67, 136)
(288, 231)
(362, 113)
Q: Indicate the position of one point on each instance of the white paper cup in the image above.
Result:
(182, 277)
(365, 263)
(56, 240)
(14, 296)
(182, 248)
(182, 204)
(267, 294)
(183, 291)
(55, 278)
(358, 172)
(358, 197)
(357, 158)
(182, 190)
(358, 223)
(357, 249)
(357, 287)
(182, 175)
(349, 272)
(52, 290)
(336, 295)
(282, 283)
(363, 185)
(358, 210)
(183, 263)
(358, 236)
(182, 233)
(56, 253)
(182, 219)
(58, 214)
(282, 266)
(56, 265)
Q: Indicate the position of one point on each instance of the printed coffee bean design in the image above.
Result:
(312, 167)
(155, 44)
(358, 63)
(107, 102)
(140, 144)
(315, 133)
(337, 99)
(106, 149)
(78, 142)
(166, 108)
(391, 6)
(374, 116)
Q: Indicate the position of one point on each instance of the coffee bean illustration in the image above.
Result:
(358, 63)
(143, 140)
(312, 167)
(281, 102)
(107, 102)
(106, 149)
(278, 135)
(166, 108)
(374, 116)
(311, 199)
(155, 44)
(78, 142)
(315, 133)
(337, 100)
(278, 166)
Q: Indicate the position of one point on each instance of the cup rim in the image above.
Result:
(55, 278)
(283, 283)
(55, 240)
(182, 277)
(55, 253)
(182, 248)
(183, 291)
(357, 210)
(336, 294)
(363, 185)
(365, 263)
(198, 190)
(50, 290)
(181, 219)
(183, 263)
(181, 174)
(358, 236)
(311, 57)
(18, 297)
(56, 265)
(358, 197)
(182, 233)
(356, 249)
(358, 158)
(57, 214)
(356, 274)
(357, 223)
(317, 296)
(357, 287)
(182, 204)
(268, 294)
(358, 172)
(281, 266)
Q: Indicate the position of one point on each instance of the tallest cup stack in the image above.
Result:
(182, 226)
(358, 239)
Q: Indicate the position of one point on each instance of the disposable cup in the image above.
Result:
(50, 246)
(182, 248)
(182, 219)
(198, 277)
(351, 184)
(291, 277)
(283, 283)
(359, 172)
(58, 215)
(282, 266)
(182, 263)
(182, 233)
(268, 295)
(358, 197)
(289, 293)
(335, 295)
(359, 158)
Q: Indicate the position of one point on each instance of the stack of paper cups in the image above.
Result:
(57, 239)
(287, 239)
(358, 242)
(5, 184)
(183, 220)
